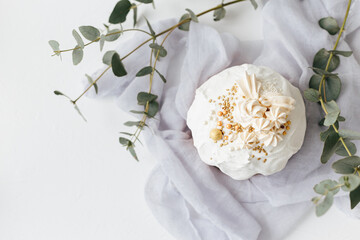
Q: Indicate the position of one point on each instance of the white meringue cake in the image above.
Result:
(247, 120)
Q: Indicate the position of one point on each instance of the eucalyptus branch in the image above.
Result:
(335, 140)
(155, 36)
(322, 81)
(145, 115)
(98, 39)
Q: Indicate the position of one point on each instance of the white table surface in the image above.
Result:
(62, 178)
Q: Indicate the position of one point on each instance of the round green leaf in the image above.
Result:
(144, 97)
(112, 35)
(325, 186)
(117, 66)
(124, 141)
(192, 15)
(120, 12)
(355, 197)
(185, 26)
(349, 134)
(77, 55)
(329, 24)
(312, 95)
(78, 38)
(342, 151)
(219, 14)
(346, 165)
(107, 57)
(332, 86)
(324, 206)
(350, 182)
(321, 58)
(89, 32)
(54, 45)
(144, 71)
(153, 108)
(330, 146)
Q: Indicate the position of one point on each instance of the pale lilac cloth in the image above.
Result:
(194, 201)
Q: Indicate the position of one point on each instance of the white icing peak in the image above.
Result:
(266, 115)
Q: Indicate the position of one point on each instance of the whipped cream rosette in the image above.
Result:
(247, 120)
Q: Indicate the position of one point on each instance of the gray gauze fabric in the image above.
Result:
(196, 201)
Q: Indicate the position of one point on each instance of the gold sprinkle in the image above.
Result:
(265, 160)
(215, 134)
(284, 133)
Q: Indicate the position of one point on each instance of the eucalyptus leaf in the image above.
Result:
(58, 93)
(312, 95)
(326, 186)
(91, 81)
(124, 141)
(153, 108)
(341, 119)
(342, 53)
(355, 197)
(192, 15)
(54, 45)
(186, 25)
(134, 123)
(331, 118)
(158, 49)
(112, 35)
(134, 8)
(323, 72)
(325, 134)
(255, 5)
(329, 24)
(144, 97)
(349, 134)
(219, 14)
(351, 182)
(77, 55)
(325, 205)
(330, 146)
(145, 1)
(78, 39)
(346, 165)
(332, 86)
(137, 112)
(90, 33)
(117, 66)
(121, 10)
(161, 76)
(108, 56)
(333, 113)
(321, 58)
(79, 112)
(133, 153)
(150, 28)
(342, 151)
(145, 71)
(102, 42)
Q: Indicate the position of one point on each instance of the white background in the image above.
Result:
(62, 178)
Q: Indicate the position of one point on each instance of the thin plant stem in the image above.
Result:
(322, 81)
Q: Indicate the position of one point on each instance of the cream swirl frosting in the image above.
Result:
(260, 116)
